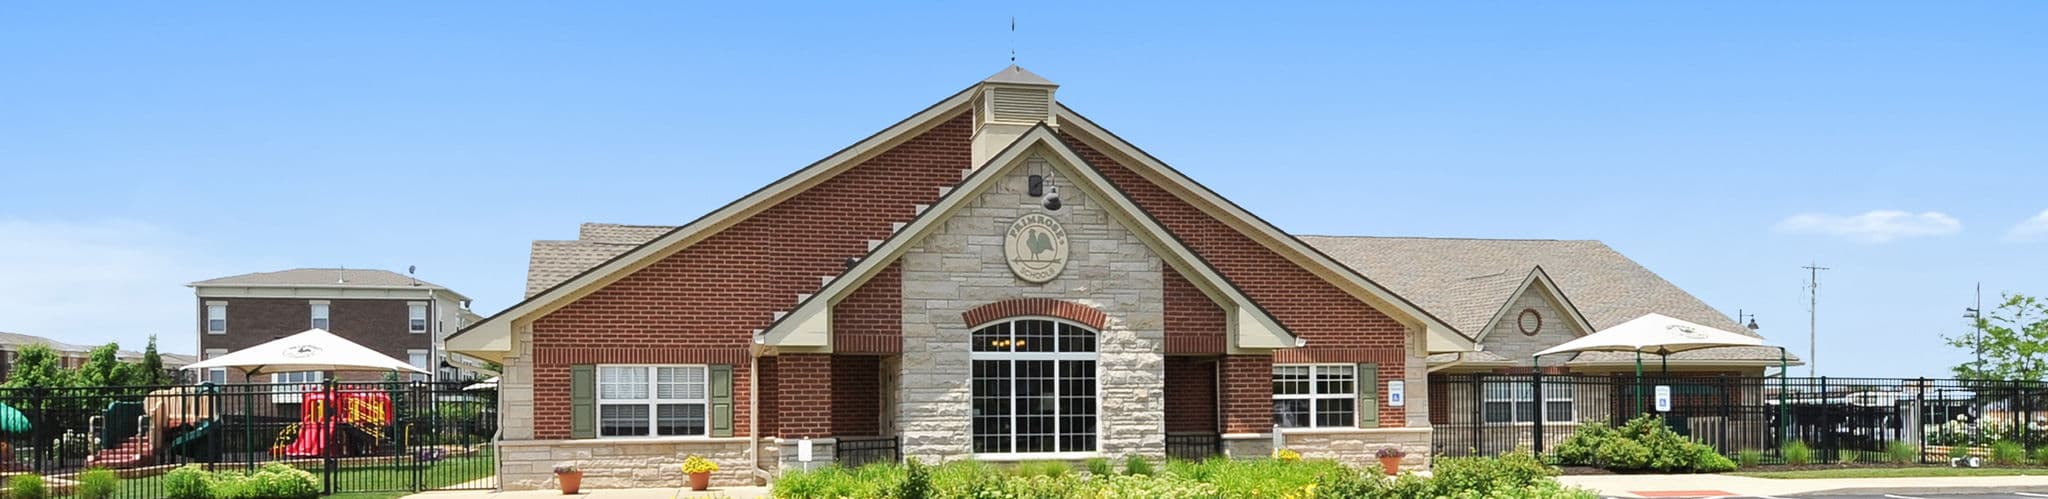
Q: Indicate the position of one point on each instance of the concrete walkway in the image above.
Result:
(1726, 485)
(715, 492)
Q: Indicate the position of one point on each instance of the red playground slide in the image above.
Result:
(368, 412)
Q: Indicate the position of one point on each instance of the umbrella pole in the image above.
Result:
(1665, 361)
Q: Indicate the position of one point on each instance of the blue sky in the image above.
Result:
(1722, 144)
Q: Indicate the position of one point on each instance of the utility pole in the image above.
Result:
(1976, 316)
(1812, 318)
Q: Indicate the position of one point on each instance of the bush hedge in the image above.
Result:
(26, 486)
(1517, 475)
(1644, 443)
(272, 481)
(97, 483)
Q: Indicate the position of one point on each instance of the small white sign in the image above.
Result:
(803, 450)
(1663, 398)
(1397, 393)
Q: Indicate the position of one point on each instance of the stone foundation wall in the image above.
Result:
(614, 464)
(1359, 447)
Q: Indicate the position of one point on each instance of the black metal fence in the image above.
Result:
(856, 452)
(1193, 446)
(1840, 419)
(354, 437)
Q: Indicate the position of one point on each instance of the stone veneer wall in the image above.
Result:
(1358, 447)
(612, 464)
(961, 266)
(1506, 338)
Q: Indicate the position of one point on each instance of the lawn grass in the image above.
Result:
(360, 476)
(1909, 472)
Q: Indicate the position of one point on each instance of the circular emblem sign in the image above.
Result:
(1530, 321)
(1036, 246)
(301, 351)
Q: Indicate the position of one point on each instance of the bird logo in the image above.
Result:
(1036, 247)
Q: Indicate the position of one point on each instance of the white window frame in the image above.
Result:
(1315, 396)
(653, 401)
(426, 360)
(1513, 393)
(289, 387)
(218, 375)
(322, 313)
(216, 311)
(416, 317)
(1059, 423)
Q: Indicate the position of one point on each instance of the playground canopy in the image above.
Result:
(312, 350)
(12, 421)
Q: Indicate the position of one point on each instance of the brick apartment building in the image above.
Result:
(392, 313)
(996, 277)
(70, 356)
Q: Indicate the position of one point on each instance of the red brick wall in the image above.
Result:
(870, 320)
(856, 395)
(705, 301)
(1247, 393)
(769, 395)
(1194, 323)
(1190, 394)
(803, 395)
(1338, 327)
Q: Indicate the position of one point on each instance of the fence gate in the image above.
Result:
(353, 437)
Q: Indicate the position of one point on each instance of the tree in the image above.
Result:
(2013, 343)
(37, 365)
(151, 372)
(103, 367)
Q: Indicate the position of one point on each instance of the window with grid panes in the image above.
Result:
(1033, 388)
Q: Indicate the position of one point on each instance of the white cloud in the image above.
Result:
(93, 282)
(2032, 229)
(1875, 226)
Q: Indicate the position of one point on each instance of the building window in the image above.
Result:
(218, 375)
(1034, 388)
(416, 317)
(216, 319)
(418, 358)
(638, 401)
(320, 315)
(290, 387)
(1315, 396)
(1518, 403)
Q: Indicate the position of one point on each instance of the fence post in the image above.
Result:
(1920, 419)
(1827, 437)
(41, 417)
(1721, 443)
(1542, 409)
(1478, 413)
(327, 410)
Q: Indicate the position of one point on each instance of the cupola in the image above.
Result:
(1005, 106)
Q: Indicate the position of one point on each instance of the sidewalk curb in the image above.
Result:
(1966, 489)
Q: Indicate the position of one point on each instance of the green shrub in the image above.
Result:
(1136, 465)
(1749, 458)
(1483, 474)
(26, 486)
(917, 479)
(1796, 453)
(1100, 467)
(1623, 454)
(1514, 475)
(2041, 455)
(2008, 453)
(97, 483)
(1706, 460)
(1581, 447)
(1902, 453)
(188, 482)
(1958, 451)
(1042, 468)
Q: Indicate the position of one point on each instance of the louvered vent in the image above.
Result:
(1020, 105)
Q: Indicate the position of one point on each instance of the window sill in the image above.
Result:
(603, 441)
(1349, 430)
(1011, 457)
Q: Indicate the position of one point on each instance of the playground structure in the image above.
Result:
(356, 426)
(129, 433)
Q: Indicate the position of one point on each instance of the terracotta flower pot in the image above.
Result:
(1392, 465)
(572, 482)
(700, 480)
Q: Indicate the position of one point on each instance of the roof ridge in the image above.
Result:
(1455, 238)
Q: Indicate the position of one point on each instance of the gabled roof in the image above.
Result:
(808, 325)
(323, 278)
(1535, 279)
(1606, 287)
(555, 261)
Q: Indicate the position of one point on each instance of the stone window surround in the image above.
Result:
(1022, 308)
(652, 401)
(1314, 395)
(1092, 355)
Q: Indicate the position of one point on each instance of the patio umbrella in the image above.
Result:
(312, 350)
(12, 421)
(490, 383)
(1653, 333)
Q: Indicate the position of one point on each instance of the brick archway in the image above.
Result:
(1044, 307)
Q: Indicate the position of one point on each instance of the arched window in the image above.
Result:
(1034, 387)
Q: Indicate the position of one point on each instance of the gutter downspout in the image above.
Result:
(754, 420)
(1447, 365)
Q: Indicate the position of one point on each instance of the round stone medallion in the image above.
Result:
(1036, 247)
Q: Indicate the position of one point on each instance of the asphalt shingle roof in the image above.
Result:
(322, 278)
(1465, 281)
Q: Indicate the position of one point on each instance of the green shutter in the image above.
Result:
(583, 401)
(721, 400)
(1368, 395)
